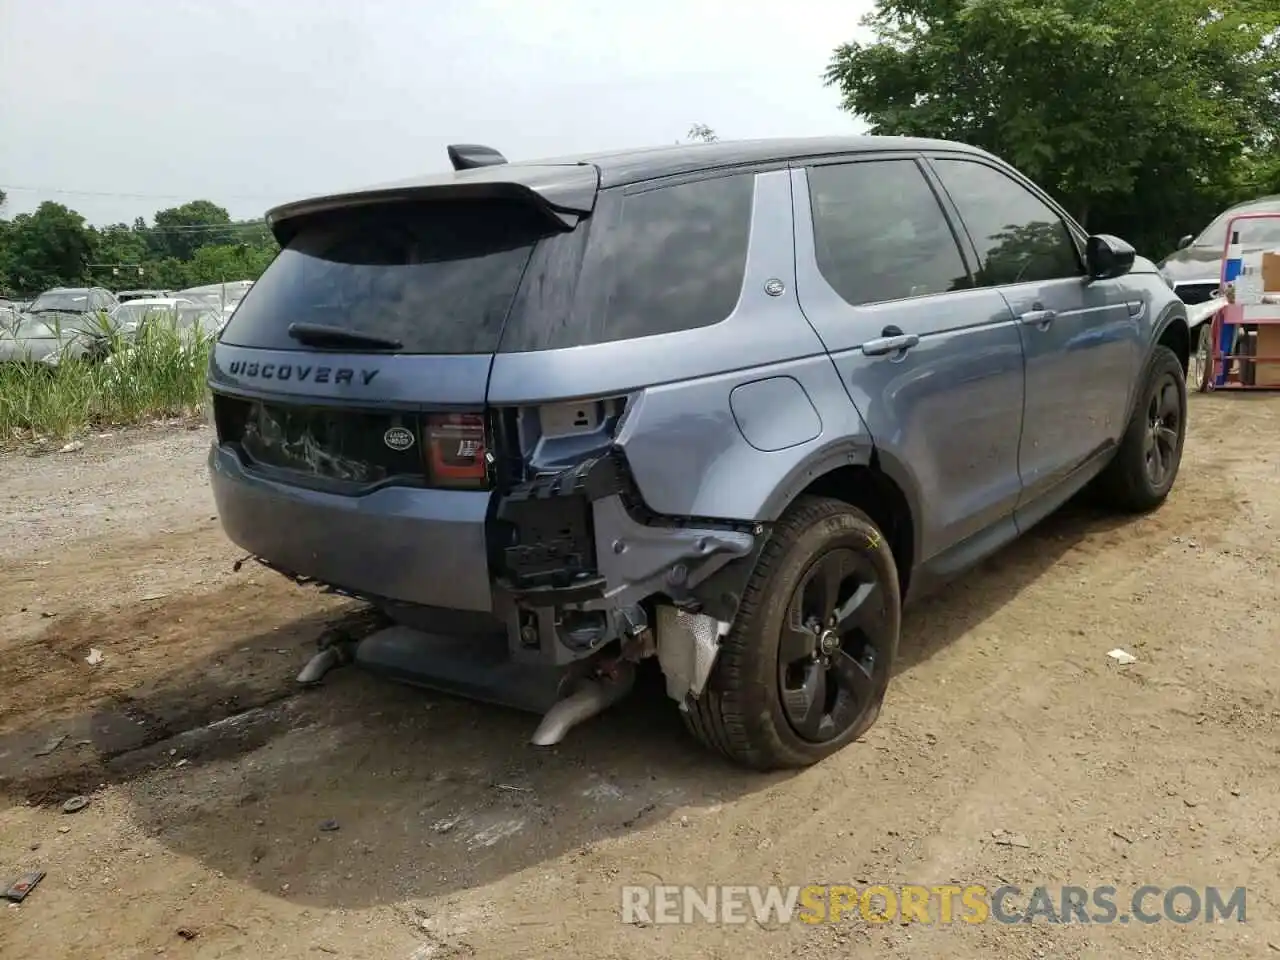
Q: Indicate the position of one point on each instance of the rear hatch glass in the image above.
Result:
(437, 277)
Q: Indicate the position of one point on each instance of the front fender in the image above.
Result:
(1170, 317)
(1172, 314)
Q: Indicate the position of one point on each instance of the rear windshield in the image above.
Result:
(72, 301)
(438, 277)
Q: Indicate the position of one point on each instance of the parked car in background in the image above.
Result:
(1195, 268)
(229, 291)
(726, 405)
(199, 320)
(52, 337)
(191, 320)
(129, 317)
(72, 302)
(62, 323)
(223, 296)
(124, 296)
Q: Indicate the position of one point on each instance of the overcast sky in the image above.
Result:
(249, 102)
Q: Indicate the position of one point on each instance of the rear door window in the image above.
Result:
(438, 277)
(1020, 239)
(880, 233)
(653, 260)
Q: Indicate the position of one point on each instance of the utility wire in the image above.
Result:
(192, 227)
(137, 196)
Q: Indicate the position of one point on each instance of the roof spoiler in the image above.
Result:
(468, 156)
(566, 198)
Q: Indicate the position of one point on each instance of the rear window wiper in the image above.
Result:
(323, 335)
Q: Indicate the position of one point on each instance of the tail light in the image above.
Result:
(455, 450)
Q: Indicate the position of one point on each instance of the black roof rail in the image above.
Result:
(467, 156)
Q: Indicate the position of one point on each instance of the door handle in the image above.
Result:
(886, 345)
(1038, 317)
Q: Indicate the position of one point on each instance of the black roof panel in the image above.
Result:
(648, 163)
(564, 183)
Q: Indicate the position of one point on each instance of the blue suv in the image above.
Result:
(723, 405)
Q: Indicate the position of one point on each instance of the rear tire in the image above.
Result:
(1140, 476)
(804, 670)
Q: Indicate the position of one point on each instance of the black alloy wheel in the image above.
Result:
(834, 647)
(1163, 438)
(1145, 464)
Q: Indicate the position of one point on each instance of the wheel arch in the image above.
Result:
(1169, 330)
(864, 477)
(1172, 331)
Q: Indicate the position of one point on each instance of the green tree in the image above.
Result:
(180, 231)
(194, 243)
(1140, 118)
(119, 247)
(167, 274)
(232, 261)
(47, 248)
(701, 133)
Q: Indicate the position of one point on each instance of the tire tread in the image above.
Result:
(721, 717)
(1123, 485)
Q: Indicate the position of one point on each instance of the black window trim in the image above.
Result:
(697, 176)
(950, 215)
(1075, 232)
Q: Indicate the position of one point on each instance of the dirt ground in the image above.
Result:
(209, 773)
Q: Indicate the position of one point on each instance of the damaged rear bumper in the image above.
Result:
(549, 572)
(585, 564)
(583, 536)
(419, 546)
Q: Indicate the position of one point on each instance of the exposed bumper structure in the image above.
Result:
(579, 571)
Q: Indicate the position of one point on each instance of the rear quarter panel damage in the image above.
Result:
(691, 458)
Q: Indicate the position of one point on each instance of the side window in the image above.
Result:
(648, 262)
(1019, 239)
(677, 257)
(880, 233)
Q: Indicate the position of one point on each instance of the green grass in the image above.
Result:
(160, 374)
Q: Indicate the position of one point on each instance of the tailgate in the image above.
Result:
(349, 396)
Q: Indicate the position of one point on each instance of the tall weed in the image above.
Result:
(120, 379)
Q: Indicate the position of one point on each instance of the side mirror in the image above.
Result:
(1185, 242)
(1107, 257)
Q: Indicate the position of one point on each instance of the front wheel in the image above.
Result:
(1141, 474)
(804, 670)
(1201, 358)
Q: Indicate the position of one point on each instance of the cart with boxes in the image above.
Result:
(1244, 342)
